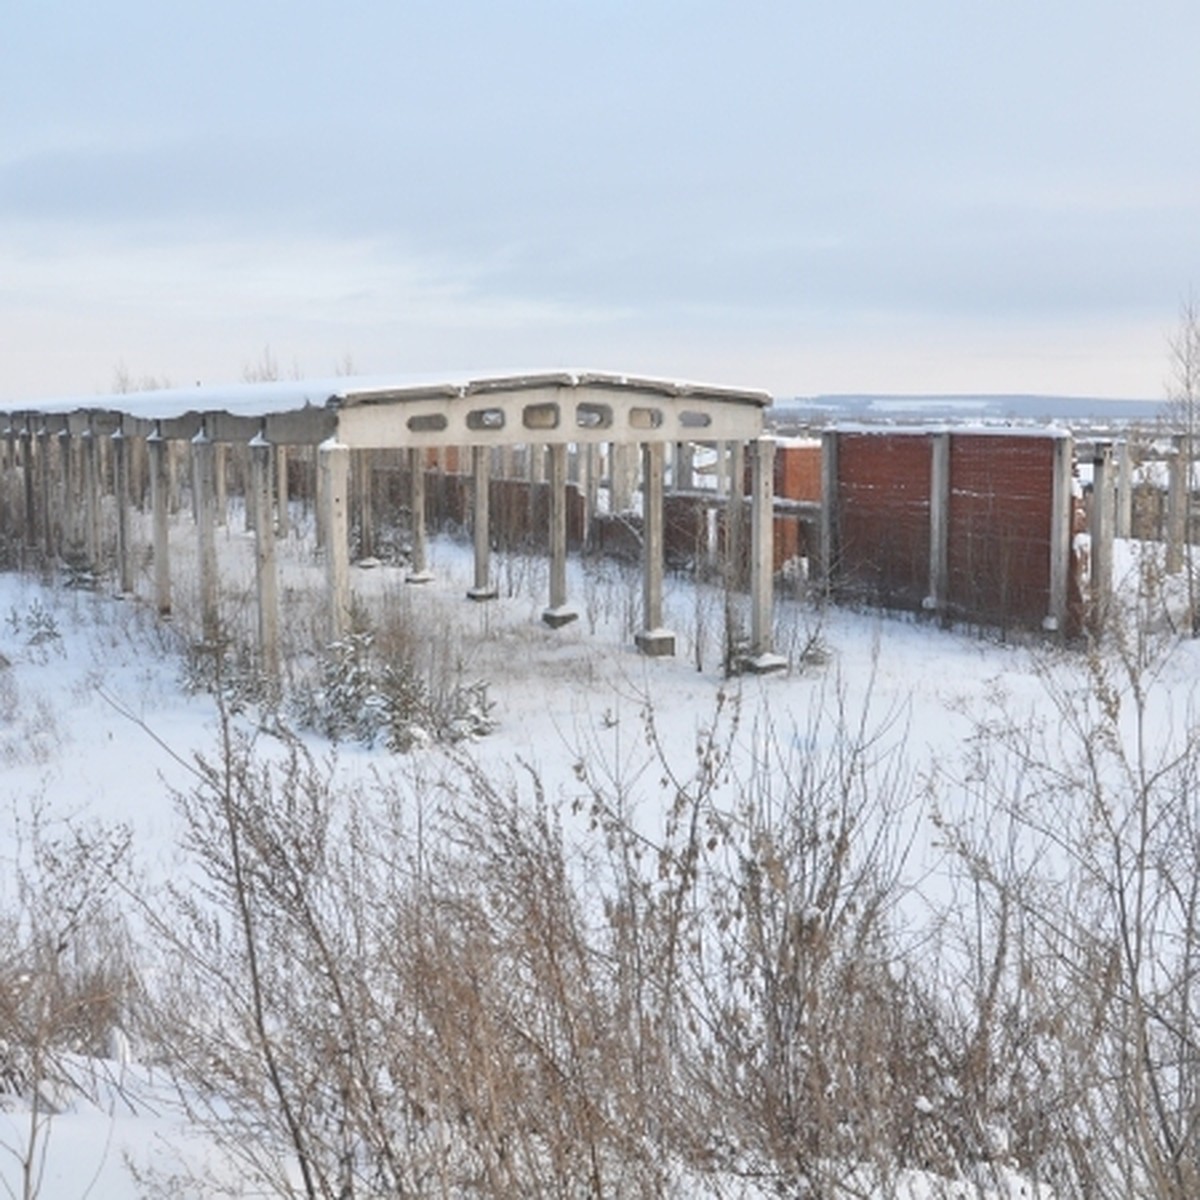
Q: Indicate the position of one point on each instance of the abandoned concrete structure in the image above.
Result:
(55, 457)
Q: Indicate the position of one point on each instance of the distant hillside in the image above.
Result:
(1022, 409)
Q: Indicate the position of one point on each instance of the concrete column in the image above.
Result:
(591, 488)
(762, 558)
(138, 472)
(221, 483)
(6, 481)
(121, 448)
(560, 612)
(1177, 505)
(204, 488)
(12, 485)
(29, 485)
(419, 570)
(830, 550)
(1124, 490)
(939, 523)
(68, 501)
(333, 462)
(622, 470)
(177, 457)
(1102, 533)
(1060, 536)
(158, 450)
(483, 589)
(653, 640)
(91, 485)
(243, 458)
(685, 466)
(266, 573)
(282, 516)
(734, 517)
(50, 520)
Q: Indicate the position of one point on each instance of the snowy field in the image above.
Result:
(98, 732)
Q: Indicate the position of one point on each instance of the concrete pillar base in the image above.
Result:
(562, 615)
(482, 593)
(419, 577)
(763, 664)
(656, 643)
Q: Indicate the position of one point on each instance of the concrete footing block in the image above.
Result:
(656, 643)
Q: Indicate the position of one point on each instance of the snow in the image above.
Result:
(95, 725)
(288, 395)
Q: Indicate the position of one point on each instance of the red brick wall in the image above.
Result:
(798, 471)
(1001, 501)
(883, 518)
(998, 518)
(518, 512)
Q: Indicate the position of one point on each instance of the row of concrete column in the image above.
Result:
(55, 480)
(653, 639)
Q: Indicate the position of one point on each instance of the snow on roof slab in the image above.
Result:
(492, 384)
(290, 396)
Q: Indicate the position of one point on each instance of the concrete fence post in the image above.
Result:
(830, 549)
(1061, 506)
(939, 523)
(1101, 533)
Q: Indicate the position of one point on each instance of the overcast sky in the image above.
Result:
(852, 195)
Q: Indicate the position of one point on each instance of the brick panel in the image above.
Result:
(883, 518)
(685, 529)
(798, 471)
(1001, 502)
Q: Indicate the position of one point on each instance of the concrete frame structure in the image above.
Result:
(545, 412)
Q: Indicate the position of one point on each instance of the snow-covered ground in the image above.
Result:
(96, 727)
